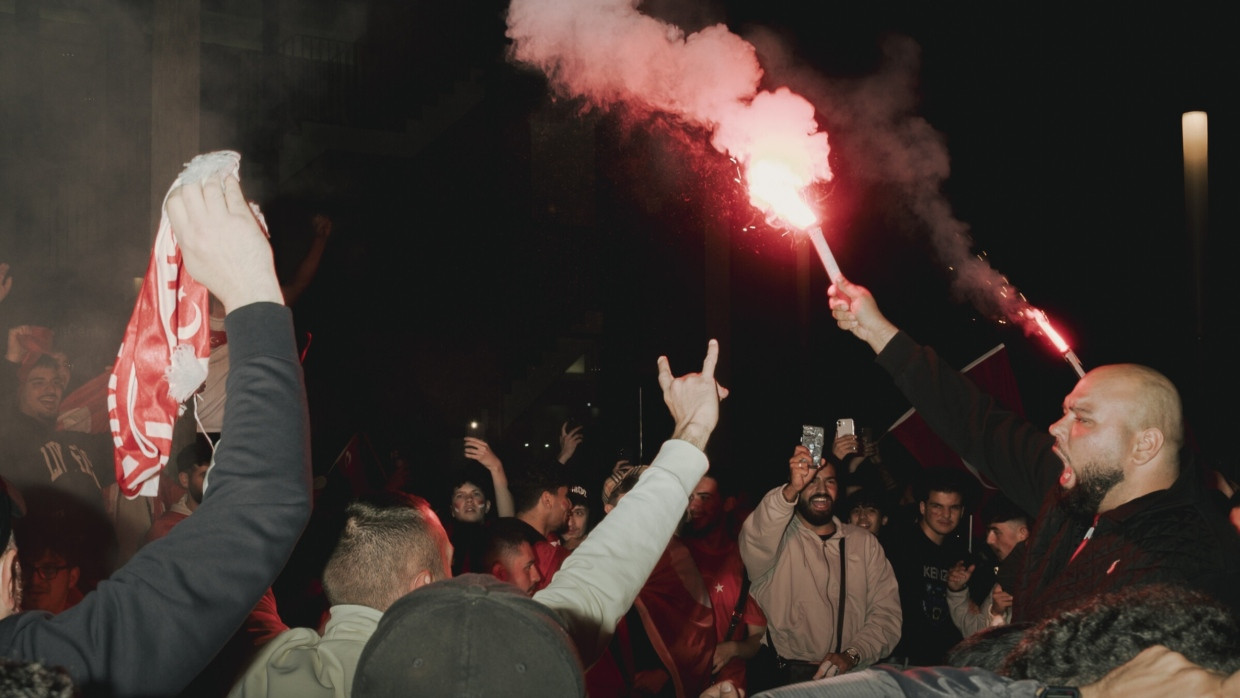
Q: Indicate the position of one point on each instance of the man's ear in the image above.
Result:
(421, 579)
(487, 508)
(499, 571)
(74, 574)
(9, 598)
(1149, 444)
(183, 479)
(729, 504)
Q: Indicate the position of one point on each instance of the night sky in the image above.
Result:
(1056, 134)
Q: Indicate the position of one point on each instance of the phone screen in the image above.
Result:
(812, 438)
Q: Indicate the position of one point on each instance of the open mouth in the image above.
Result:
(1067, 479)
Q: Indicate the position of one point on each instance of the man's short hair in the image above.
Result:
(504, 538)
(1000, 509)
(387, 540)
(472, 472)
(1080, 645)
(538, 476)
(945, 479)
(197, 452)
(41, 361)
(870, 498)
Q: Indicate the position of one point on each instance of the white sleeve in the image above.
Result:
(597, 584)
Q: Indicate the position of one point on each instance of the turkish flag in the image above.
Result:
(992, 372)
(163, 358)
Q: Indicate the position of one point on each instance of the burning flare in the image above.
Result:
(1044, 324)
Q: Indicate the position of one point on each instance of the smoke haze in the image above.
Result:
(609, 54)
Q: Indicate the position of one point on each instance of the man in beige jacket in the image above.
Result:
(795, 549)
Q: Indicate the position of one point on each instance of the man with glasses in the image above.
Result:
(50, 576)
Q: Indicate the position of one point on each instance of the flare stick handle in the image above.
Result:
(824, 253)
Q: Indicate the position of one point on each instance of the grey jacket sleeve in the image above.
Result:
(157, 621)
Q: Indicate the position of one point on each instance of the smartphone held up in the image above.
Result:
(813, 438)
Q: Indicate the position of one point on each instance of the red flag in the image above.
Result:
(163, 358)
(86, 409)
(992, 372)
(35, 342)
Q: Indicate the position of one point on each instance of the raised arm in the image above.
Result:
(479, 450)
(856, 311)
(598, 583)
(310, 263)
(763, 530)
(570, 439)
(1001, 444)
(158, 620)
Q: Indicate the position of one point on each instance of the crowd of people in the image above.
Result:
(1109, 568)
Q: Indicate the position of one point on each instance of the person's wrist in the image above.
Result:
(881, 336)
(241, 299)
(853, 656)
(694, 433)
(790, 493)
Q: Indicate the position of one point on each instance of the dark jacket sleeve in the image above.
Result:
(1001, 444)
(150, 628)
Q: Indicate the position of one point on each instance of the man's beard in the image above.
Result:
(812, 517)
(1092, 485)
(688, 529)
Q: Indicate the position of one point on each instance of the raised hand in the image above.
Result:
(479, 450)
(801, 470)
(693, 398)
(570, 439)
(222, 243)
(845, 445)
(856, 311)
